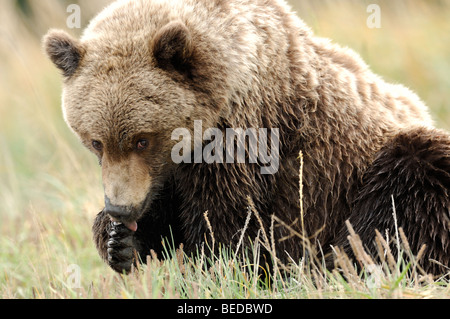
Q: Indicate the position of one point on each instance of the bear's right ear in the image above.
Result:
(64, 51)
(172, 48)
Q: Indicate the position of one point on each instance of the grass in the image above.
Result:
(50, 187)
(226, 276)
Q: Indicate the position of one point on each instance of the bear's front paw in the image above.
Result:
(121, 248)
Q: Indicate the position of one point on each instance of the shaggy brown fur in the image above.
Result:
(413, 169)
(144, 68)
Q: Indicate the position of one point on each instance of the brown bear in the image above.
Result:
(144, 69)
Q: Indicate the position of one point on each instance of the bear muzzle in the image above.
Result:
(121, 214)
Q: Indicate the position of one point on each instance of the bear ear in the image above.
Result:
(172, 48)
(64, 51)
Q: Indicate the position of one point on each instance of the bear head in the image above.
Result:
(124, 95)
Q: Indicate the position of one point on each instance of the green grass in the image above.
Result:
(50, 186)
(43, 273)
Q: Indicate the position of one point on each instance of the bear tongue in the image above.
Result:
(131, 225)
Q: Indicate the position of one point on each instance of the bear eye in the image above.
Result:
(97, 145)
(142, 144)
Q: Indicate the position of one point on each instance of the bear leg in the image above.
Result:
(412, 172)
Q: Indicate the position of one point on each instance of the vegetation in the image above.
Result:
(50, 187)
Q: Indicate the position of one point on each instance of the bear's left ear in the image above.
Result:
(64, 51)
(173, 49)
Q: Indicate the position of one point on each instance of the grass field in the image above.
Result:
(50, 186)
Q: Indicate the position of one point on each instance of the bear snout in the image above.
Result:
(116, 212)
(121, 214)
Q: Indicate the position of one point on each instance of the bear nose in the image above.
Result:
(115, 211)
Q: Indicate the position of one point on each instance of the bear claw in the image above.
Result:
(120, 248)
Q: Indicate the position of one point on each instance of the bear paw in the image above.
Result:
(121, 248)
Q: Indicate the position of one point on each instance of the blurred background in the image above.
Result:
(50, 186)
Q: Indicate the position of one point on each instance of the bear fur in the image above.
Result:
(146, 67)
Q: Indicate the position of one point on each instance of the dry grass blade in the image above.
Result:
(266, 242)
(211, 233)
(386, 251)
(358, 247)
(346, 266)
(397, 237)
(300, 191)
(247, 221)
